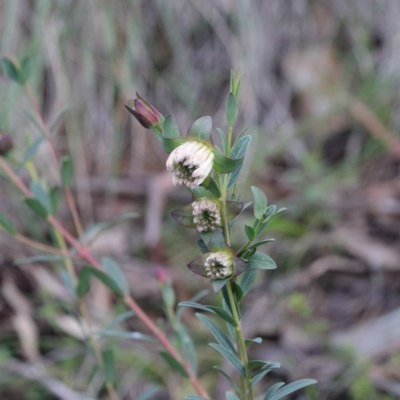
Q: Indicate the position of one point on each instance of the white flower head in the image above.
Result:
(190, 163)
(219, 265)
(206, 215)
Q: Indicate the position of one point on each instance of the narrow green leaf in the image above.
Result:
(170, 128)
(231, 329)
(273, 389)
(217, 332)
(261, 261)
(257, 340)
(109, 282)
(214, 189)
(114, 271)
(7, 225)
(231, 109)
(260, 202)
(193, 304)
(255, 245)
(291, 387)
(238, 151)
(25, 70)
(262, 372)
(149, 393)
(249, 232)
(35, 206)
(171, 144)
(223, 314)
(84, 278)
(247, 280)
(55, 199)
(39, 258)
(219, 369)
(66, 171)
(174, 364)
(201, 129)
(126, 335)
(42, 196)
(168, 294)
(231, 396)
(188, 347)
(270, 211)
(200, 192)
(109, 365)
(230, 356)
(223, 139)
(218, 284)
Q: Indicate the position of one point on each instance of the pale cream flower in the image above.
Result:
(219, 265)
(190, 163)
(206, 215)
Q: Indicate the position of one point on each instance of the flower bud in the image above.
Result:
(144, 112)
(206, 215)
(6, 143)
(161, 274)
(219, 265)
(190, 163)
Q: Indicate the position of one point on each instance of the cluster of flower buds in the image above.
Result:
(219, 265)
(206, 215)
(190, 163)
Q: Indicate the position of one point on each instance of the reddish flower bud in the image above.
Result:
(144, 112)
(6, 143)
(161, 274)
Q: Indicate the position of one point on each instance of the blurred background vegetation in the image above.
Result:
(320, 97)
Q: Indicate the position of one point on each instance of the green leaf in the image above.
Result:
(188, 346)
(230, 356)
(257, 340)
(261, 261)
(11, 68)
(35, 206)
(217, 241)
(201, 130)
(223, 139)
(114, 271)
(119, 319)
(270, 211)
(247, 280)
(231, 396)
(7, 225)
(260, 202)
(223, 314)
(218, 284)
(216, 331)
(174, 364)
(273, 389)
(149, 393)
(31, 151)
(66, 171)
(200, 192)
(219, 369)
(184, 216)
(249, 232)
(25, 70)
(41, 195)
(67, 280)
(238, 151)
(84, 278)
(171, 144)
(193, 304)
(263, 371)
(109, 282)
(290, 388)
(202, 246)
(55, 199)
(214, 189)
(231, 109)
(255, 245)
(109, 365)
(223, 164)
(170, 128)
